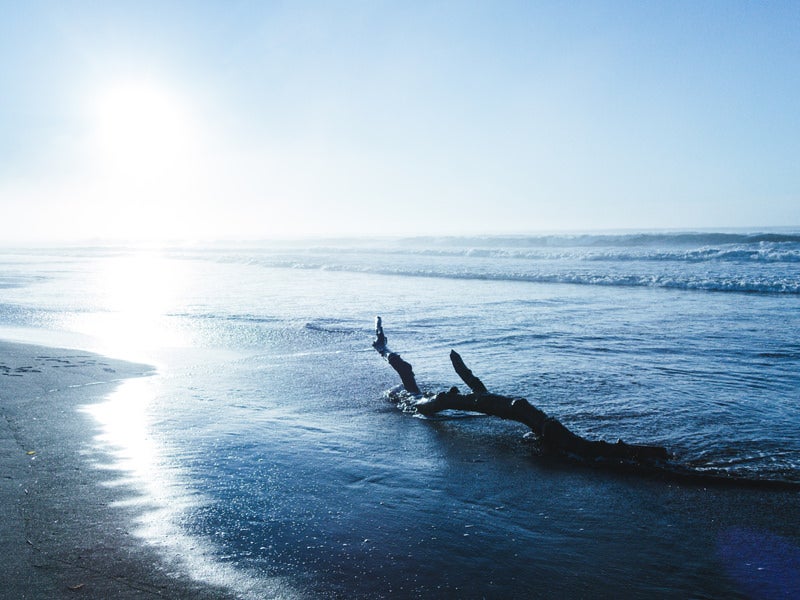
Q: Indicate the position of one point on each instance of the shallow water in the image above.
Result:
(275, 448)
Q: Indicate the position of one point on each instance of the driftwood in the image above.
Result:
(552, 434)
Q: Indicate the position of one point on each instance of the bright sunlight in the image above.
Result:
(141, 126)
(135, 293)
(145, 149)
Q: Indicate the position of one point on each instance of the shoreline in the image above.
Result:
(65, 530)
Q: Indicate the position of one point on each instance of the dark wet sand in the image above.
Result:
(63, 533)
(66, 532)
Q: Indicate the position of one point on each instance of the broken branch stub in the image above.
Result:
(475, 384)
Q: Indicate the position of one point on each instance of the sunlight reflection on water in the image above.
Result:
(134, 294)
(160, 493)
(266, 442)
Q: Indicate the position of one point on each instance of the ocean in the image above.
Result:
(266, 452)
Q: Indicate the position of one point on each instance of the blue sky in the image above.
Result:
(185, 120)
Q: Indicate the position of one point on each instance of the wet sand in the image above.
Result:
(65, 532)
(67, 528)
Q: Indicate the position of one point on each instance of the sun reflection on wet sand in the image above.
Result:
(161, 492)
(135, 298)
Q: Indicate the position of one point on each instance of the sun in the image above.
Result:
(146, 162)
(141, 127)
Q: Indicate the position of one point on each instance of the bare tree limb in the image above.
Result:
(398, 364)
(553, 434)
(475, 384)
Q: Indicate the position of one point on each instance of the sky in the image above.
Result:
(194, 120)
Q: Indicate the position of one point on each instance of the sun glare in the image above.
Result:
(141, 126)
(135, 294)
(145, 157)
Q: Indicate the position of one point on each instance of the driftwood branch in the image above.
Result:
(475, 384)
(398, 364)
(554, 436)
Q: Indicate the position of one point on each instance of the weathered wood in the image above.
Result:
(380, 343)
(403, 368)
(475, 384)
(554, 435)
(406, 373)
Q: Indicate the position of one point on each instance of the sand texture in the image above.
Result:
(64, 532)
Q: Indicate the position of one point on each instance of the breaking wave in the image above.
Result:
(755, 263)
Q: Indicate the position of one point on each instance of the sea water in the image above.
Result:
(272, 459)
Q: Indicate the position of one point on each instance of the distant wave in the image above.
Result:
(764, 286)
(759, 253)
(765, 263)
(610, 240)
(680, 247)
(241, 318)
(741, 284)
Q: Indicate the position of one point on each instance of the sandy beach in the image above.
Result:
(265, 459)
(64, 531)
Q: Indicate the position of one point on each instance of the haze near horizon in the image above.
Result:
(207, 120)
